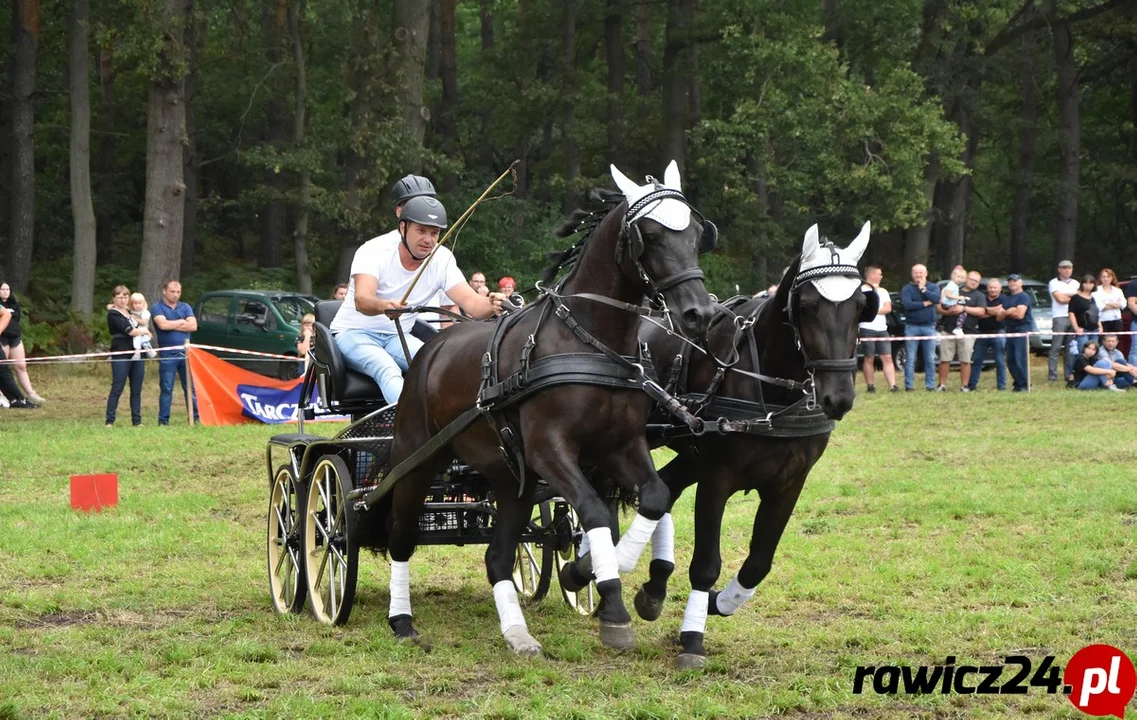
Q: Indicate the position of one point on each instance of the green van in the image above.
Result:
(260, 320)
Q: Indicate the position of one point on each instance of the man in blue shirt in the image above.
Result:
(1017, 320)
(174, 321)
(919, 299)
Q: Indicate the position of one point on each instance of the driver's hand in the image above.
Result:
(392, 305)
(496, 299)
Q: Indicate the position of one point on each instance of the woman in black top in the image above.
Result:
(14, 345)
(123, 329)
(1079, 305)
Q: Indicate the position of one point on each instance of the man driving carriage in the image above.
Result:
(382, 271)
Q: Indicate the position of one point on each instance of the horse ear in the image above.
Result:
(627, 186)
(811, 244)
(671, 176)
(856, 249)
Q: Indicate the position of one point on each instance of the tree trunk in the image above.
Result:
(434, 40)
(917, 239)
(485, 153)
(1028, 134)
(678, 55)
(165, 135)
(276, 132)
(106, 158)
(614, 50)
(300, 235)
(448, 117)
(411, 24)
(5, 172)
(834, 32)
(568, 97)
(1069, 141)
(25, 39)
(189, 154)
(643, 48)
(82, 211)
(952, 196)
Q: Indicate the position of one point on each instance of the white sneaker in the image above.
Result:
(36, 399)
(1114, 388)
(151, 353)
(3, 402)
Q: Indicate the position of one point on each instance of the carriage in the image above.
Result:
(317, 514)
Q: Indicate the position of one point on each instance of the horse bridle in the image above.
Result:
(835, 268)
(631, 241)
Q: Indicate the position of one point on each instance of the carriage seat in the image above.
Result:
(338, 384)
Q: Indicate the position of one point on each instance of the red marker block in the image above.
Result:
(94, 492)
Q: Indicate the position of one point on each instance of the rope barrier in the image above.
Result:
(107, 356)
(978, 336)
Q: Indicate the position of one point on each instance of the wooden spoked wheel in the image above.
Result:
(285, 568)
(533, 565)
(331, 555)
(585, 600)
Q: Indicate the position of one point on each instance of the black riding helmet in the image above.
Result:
(423, 210)
(412, 186)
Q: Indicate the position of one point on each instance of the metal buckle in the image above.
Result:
(562, 311)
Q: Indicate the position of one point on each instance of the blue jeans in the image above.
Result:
(379, 356)
(928, 347)
(1000, 346)
(1017, 361)
(168, 367)
(122, 367)
(1132, 359)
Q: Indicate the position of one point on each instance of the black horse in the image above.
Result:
(645, 246)
(793, 376)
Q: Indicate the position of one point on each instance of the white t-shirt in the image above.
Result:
(1069, 287)
(1101, 297)
(379, 257)
(880, 322)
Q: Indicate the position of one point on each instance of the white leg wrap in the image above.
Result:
(585, 545)
(695, 618)
(604, 565)
(632, 544)
(733, 597)
(663, 540)
(508, 608)
(400, 589)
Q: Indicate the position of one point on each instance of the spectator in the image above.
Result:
(1084, 320)
(339, 292)
(950, 298)
(1110, 300)
(507, 287)
(1091, 373)
(1062, 288)
(1126, 373)
(124, 328)
(8, 385)
(1017, 319)
(877, 328)
(306, 337)
(478, 282)
(991, 323)
(142, 317)
(174, 321)
(963, 315)
(13, 344)
(919, 299)
(1131, 299)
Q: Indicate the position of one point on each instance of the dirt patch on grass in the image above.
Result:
(60, 620)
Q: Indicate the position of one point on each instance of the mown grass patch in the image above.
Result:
(977, 526)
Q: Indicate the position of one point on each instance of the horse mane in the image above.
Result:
(583, 221)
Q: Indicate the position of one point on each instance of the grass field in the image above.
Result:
(976, 526)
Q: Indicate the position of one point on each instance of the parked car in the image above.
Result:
(259, 320)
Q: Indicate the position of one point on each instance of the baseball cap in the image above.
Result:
(1014, 276)
(1065, 263)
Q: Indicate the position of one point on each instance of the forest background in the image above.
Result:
(234, 143)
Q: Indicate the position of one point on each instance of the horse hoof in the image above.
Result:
(521, 642)
(576, 575)
(690, 661)
(647, 607)
(618, 636)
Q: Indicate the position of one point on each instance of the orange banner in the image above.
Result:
(229, 395)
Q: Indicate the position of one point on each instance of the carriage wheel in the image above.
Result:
(286, 582)
(331, 555)
(533, 565)
(568, 525)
